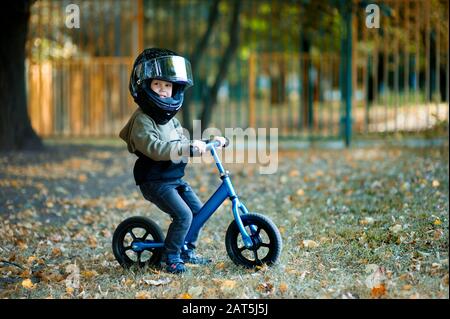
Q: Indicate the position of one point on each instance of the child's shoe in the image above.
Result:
(190, 257)
(176, 267)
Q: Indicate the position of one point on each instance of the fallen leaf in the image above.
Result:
(55, 277)
(309, 243)
(207, 240)
(348, 295)
(300, 192)
(56, 252)
(283, 288)
(56, 238)
(367, 221)
(158, 282)
(437, 222)
(265, 287)
(438, 234)
(89, 273)
(142, 295)
(262, 268)
(378, 291)
(292, 271)
(120, 203)
(92, 242)
(445, 280)
(69, 291)
(127, 282)
(436, 265)
(82, 178)
(41, 275)
(407, 287)
(21, 244)
(14, 183)
(185, 296)
(396, 228)
(28, 284)
(79, 237)
(228, 285)
(106, 233)
(220, 266)
(294, 173)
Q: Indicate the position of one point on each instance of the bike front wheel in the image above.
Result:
(266, 241)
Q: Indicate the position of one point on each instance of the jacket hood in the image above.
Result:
(125, 133)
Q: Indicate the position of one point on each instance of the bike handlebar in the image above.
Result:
(216, 144)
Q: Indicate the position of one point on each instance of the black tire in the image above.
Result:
(124, 232)
(267, 242)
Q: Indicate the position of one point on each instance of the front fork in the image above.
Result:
(236, 207)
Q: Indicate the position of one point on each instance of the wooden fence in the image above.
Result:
(78, 79)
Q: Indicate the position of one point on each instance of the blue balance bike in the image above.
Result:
(251, 239)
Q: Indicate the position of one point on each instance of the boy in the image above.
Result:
(157, 83)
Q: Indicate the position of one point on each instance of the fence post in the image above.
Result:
(137, 44)
(346, 70)
(251, 91)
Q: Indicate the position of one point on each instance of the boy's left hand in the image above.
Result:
(222, 140)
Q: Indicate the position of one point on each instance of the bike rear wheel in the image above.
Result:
(267, 242)
(132, 230)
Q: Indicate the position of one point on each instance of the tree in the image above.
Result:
(209, 99)
(15, 126)
(197, 56)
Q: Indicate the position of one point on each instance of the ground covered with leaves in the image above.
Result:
(357, 223)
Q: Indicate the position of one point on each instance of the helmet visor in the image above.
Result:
(168, 68)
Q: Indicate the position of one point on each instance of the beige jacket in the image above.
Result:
(158, 142)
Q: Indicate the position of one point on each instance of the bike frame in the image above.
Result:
(224, 191)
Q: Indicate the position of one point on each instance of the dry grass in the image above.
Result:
(358, 223)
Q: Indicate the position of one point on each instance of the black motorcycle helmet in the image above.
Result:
(166, 65)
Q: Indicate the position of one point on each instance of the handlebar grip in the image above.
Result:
(212, 144)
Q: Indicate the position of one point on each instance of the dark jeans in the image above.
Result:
(177, 199)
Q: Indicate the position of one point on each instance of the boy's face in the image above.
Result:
(162, 88)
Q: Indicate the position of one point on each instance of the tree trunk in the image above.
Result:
(15, 127)
(210, 100)
(306, 68)
(278, 83)
(196, 56)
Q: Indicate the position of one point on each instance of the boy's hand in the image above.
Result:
(198, 147)
(222, 140)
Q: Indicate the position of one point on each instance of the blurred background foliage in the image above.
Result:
(286, 72)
